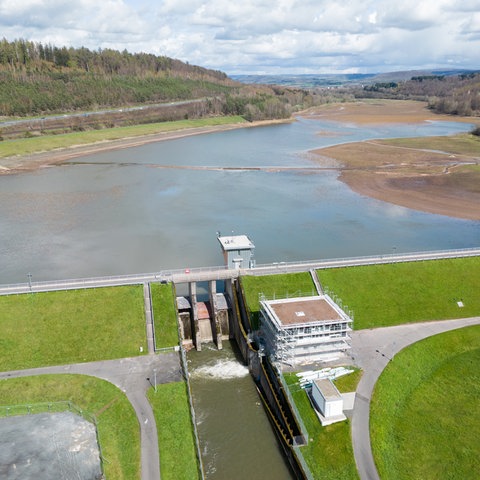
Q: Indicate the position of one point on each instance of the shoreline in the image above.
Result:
(26, 163)
(426, 181)
(415, 190)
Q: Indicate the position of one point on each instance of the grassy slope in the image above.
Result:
(63, 327)
(384, 295)
(28, 146)
(176, 441)
(117, 425)
(329, 453)
(425, 410)
(461, 144)
(165, 315)
(348, 383)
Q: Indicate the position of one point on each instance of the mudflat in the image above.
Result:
(438, 175)
(378, 112)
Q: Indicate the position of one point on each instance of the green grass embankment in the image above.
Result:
(165, 315)
(176, 439)
(394, 294)
(73, 326)
(28, 146)
(425, 410)
(329, 453)
(117, 424)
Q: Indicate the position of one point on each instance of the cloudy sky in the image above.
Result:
(262, 36)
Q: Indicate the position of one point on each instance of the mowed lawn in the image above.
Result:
(425, 410)
(176, 440)
(329, 452)
(164, 315)
(55, 328)
(393, 294)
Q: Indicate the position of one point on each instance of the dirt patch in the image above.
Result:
(48, 446)
(377, 112)
(433, 182)
(420, 177)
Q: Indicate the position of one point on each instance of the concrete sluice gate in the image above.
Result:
(203, 321)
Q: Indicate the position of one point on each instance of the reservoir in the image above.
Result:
(145, 209)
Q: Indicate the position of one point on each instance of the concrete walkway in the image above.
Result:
(372, 350)
(134, 376)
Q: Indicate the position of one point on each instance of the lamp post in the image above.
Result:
(29, 275)
(155, 380)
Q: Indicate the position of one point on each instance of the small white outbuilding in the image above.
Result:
(328, 400)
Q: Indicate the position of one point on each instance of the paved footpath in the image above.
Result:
(372, 349)
(134, 376)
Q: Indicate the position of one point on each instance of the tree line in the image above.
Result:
(24, 55)
(39, 79)
(450, 94)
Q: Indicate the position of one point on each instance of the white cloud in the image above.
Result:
(262, 35)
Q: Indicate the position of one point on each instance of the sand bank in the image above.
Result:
(444, 183)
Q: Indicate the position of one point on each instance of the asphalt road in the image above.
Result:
(134, 376)
(372, 350)
(201, 274)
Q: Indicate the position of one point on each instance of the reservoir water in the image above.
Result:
(125, 211)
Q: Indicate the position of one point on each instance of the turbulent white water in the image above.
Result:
(221, 370)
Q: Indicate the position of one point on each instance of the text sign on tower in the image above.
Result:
(237, 251)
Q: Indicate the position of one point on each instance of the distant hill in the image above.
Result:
(341, 79)
(306, 80)
(456, 92)
(45, 80)
(452, 91)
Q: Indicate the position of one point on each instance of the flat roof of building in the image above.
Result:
(327, 389)
(236, 242)
(292, 311)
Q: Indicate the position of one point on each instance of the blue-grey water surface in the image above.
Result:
(118, 212)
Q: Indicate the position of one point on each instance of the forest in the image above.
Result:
(38, 79)
(43, 80)
(451, 94)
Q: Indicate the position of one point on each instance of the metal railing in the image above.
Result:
(221, 272)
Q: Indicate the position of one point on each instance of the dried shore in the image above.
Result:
(434, 182)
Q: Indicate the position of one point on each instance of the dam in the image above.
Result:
(231, 320)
